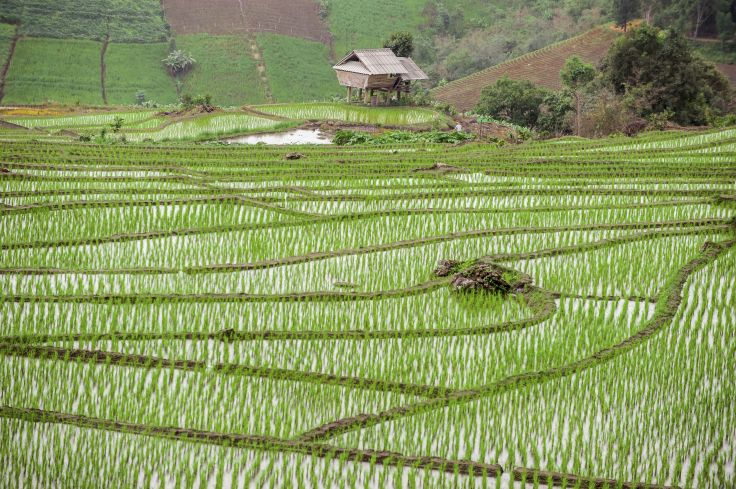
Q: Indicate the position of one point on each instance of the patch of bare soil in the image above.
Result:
(297, 18)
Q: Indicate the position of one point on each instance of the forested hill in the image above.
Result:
(247, 51)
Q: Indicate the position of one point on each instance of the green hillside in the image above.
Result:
(120, 20)
(261, 51)
(225, 69)
(64, 71)
(131, 68)
(298, 70)
(365, 24)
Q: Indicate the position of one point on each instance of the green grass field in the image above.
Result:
(224, 69)
(134, 67)
(121, 20)
(298, 70)
(367, 24)
(221, 316)
(64, 71)
(7, 32)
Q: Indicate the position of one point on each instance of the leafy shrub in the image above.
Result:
(178, 62)
(511, 100)
(201, 102)
(658, 71)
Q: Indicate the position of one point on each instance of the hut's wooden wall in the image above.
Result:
(357, 80)
(354, 80)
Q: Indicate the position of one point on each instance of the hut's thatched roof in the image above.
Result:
(413, 72)
(372, 62)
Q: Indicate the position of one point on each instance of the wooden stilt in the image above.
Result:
(350, 94)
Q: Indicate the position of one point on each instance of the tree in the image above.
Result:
(624, 11)
(511, 100)
(401, 43)
(657, 71)
(554, 114)
(575, 76)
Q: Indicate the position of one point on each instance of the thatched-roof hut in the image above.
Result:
(377, 70)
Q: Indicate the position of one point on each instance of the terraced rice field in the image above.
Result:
(389, 116)
(191, 316)
(151, 125)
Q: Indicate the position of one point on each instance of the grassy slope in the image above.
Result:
(367, 23)
(715, 51)
(134, 67)
(224, 69)
(7, 32)
(123, 20)
(298, 70)
(63, 71)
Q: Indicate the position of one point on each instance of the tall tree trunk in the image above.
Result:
(577, 113)
(699, 14)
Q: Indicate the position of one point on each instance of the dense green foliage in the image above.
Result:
(624, 11)
(298, 70)
(401, 43)
(224, 69)
(658, 72)
(64, 71)
(575, 76)
(134, 68)
(696, 18)
(512, 100)
(120, 20)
